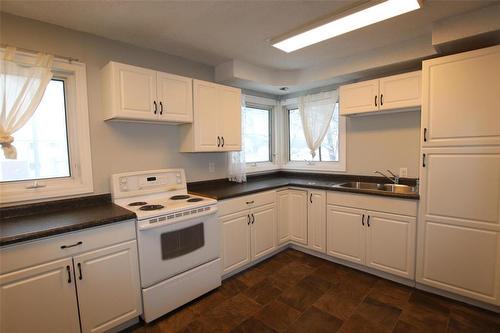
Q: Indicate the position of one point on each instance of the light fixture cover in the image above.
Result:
(356, 20)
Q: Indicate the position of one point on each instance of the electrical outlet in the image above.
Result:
(403, 172)
(211, 167)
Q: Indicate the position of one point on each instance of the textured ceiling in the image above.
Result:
(213, 32)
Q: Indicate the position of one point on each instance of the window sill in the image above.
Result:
(261, 167)
(315, 166)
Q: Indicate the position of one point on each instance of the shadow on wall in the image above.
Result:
(383, 141)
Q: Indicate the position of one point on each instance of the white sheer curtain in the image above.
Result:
(316, 112)
(236, 164)
(21, 89)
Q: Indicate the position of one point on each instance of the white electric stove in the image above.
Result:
(178, 238)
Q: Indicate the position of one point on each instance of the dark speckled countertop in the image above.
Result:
(28, 222)
(221, 189)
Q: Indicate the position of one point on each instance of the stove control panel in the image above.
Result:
(136, 183)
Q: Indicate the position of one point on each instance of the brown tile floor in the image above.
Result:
(296, 292)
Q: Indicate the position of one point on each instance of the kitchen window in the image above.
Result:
(257, 138)
(42, 143)
(330, 156)
(329, 149)
(53, 147)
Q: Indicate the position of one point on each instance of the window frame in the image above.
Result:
(77, 126)
(321, 166)
(265, 104)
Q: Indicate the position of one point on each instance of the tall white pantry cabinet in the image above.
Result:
(459, 213)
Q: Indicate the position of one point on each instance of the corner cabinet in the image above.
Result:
(216, 124)
(396, 92)
(88, 277)
(132, 93)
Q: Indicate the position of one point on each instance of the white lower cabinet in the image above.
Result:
(298, 216)
(39, 299)
(390, 243)
(283, 207)
(316, 220)
(263, 230)
(345, 233)
(235, 241)
(54, 284)
(106, 280)
(249, 229)
(380, 240)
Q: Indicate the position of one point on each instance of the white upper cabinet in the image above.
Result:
(400, 91)
(359, 97)
(217, 119)
(175, 98)
(397, 92)
(461, 99)
(140, 94)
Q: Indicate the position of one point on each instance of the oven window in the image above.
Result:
(180, 242)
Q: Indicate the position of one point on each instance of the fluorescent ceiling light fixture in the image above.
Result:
(356, 20)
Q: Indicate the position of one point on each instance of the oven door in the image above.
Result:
(170, 249)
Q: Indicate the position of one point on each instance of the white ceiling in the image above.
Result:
(213, 32)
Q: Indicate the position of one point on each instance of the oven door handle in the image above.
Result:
(143, 226)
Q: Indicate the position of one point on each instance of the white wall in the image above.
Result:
(385, 141)
(117, 147)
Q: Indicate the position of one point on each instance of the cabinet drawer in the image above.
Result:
(35, 252)
(371, 202)
(231, 206)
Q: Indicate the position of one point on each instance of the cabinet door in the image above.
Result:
(390, 243)
(39, 299)
(461, 260)
(108, 286)
(282, 202)
(459, 222)
(136, 91)
(263, 230)
(235, 241)
(400, 91)
(461, 104)
(298, 216)
(359, 97)
(316, 220)
(229, 118)
(206, 116)
(175, 98)
(346, 233)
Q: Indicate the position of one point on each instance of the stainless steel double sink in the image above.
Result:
(394, 188)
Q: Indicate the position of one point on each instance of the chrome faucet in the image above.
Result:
(394, 179)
